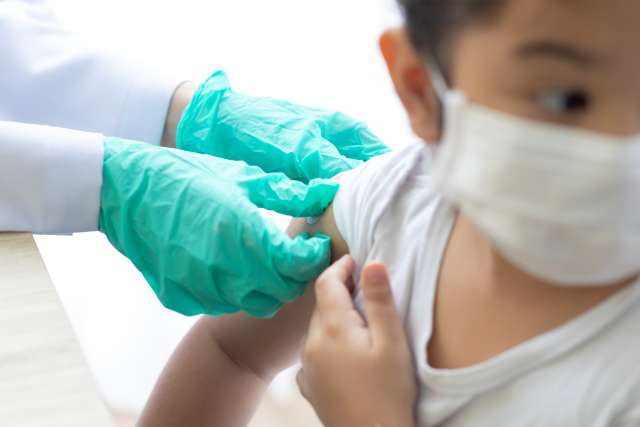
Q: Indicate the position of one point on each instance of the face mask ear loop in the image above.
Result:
(441, 88)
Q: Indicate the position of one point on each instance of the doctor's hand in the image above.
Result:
(277, 136)
(190, 223)
(354, 373)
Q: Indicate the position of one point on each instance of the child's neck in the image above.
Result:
(501, 303)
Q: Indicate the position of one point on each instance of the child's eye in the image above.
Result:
(562, 101)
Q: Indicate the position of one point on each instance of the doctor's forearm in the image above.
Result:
(181, 98)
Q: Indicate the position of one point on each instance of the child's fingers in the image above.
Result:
(331, 288)
(385, 325)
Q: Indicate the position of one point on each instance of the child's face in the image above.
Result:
(573, 62)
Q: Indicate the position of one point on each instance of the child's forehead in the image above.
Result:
(595, 19)
(607, 29)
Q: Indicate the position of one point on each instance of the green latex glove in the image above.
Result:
(303, 143)
(190, 223)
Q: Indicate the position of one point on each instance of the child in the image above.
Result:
(514, 250)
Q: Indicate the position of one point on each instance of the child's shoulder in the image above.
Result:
(366, 191)
(383, 205)
(365, 196)
(388, 171)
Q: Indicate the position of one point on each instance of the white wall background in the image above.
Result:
(320, 53)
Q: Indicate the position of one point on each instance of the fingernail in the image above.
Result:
(375, 275)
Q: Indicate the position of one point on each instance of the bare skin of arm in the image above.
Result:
(221, 369)
(179, 102)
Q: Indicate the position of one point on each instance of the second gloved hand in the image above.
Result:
(191, 224)
(303, 143)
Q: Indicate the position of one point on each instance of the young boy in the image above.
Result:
(514, 250)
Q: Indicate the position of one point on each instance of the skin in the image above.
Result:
(179, 102)
(242, 352)
(357, 373)
(541, 50)
(532, 52)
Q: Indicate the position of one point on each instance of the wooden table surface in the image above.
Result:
(44, 378)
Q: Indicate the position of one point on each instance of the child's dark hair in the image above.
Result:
(433, 24)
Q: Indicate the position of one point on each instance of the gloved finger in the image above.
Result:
(352, 138)
(259, 304)
(303, 258)
(272, 191)
(274, 268)
(320, 158)
(385, 325)
(295, 261)
(301, 154)
(276, 192)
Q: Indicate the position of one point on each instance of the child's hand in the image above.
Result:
(356, 374)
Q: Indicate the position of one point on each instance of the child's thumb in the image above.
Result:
(384, 323)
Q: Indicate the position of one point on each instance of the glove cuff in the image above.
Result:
(199, 117)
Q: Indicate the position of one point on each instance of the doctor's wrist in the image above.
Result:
(179, 102)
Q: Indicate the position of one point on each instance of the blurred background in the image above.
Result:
(323, 54)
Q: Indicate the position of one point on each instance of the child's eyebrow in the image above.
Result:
(558, 50)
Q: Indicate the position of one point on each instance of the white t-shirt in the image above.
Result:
(584, 373)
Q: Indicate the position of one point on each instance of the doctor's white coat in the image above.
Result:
(58, 97)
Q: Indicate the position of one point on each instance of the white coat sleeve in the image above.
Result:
(50, 76)
(50, 179)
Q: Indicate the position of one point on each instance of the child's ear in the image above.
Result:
(412, 82)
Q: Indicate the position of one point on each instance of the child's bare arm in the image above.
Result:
(219, 372)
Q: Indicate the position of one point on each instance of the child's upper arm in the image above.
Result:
(267, 346)
(326, 224)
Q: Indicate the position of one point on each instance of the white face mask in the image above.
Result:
(562, 204)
